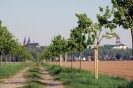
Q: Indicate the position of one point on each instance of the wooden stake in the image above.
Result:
(50, 60)
(80, 60)
(60, 63)
(66, 57)
(71, 60)
(96, 62)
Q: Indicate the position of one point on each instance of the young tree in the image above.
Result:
(79, 33)
(60, 46)
(95, 31)
(72, 46)
(49, 52)
(123, 15)
(79, 39)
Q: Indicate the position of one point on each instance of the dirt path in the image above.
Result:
(17, 80)
(49, 81)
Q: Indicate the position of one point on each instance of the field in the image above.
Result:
(112, 68)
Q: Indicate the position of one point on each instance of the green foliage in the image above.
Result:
(123, 13)
(10, 70)
(72, 46)
(48, 52)
(58, 47)
(83, 21)
(79, 40)
(10, 46)
(75, 78)
(59, 44)
(104, 22)
(35, 52)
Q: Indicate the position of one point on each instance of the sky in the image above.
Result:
(41, 20)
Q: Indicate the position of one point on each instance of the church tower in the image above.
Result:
(28, 41)
(118, 40)
(24, 42)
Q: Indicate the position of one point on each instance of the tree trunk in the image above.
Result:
(10, 57)
(66, 57)
(1, 60)
(80, 60)
(132, 40)
(0, 57)
(13, 58)
(60, 63)
(71, 60)
(50, 60)
(6, 60)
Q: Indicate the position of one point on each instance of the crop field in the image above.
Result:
(112, 68)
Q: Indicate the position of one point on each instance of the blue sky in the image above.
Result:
(41, 20)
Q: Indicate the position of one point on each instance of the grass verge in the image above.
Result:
(76, 78)
(11, 69)
(33, 77)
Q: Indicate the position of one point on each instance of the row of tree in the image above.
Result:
(85, 34)
(10, 49)
(89, 33)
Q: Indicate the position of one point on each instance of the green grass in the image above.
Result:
(33, 77)
(33, 85)
(11, 69)
(76, 78)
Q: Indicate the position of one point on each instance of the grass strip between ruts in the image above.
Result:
(33, 77)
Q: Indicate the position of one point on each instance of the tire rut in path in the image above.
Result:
(15, 81)
(48, 80)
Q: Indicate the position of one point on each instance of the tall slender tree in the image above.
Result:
(72, 47)
(79, 33)
(95, 32)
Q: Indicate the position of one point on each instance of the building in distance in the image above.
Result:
(118, 44)
(30, 44)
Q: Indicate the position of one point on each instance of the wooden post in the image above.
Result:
(71, 60)
(96, 61)
(80, 60)
(56, 61)
(60, 63)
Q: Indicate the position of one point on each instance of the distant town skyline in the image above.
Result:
(41, 20)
